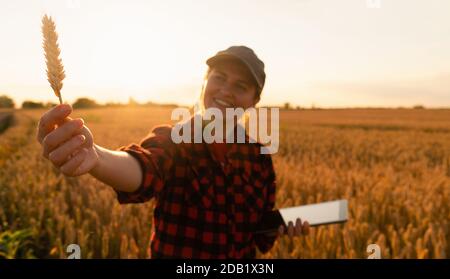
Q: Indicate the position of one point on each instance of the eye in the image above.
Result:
(241, 87)
(218, 78)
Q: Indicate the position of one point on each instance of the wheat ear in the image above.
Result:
(55, 68)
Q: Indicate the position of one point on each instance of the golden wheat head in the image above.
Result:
(55, 68)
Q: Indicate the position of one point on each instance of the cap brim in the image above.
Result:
(221, 57)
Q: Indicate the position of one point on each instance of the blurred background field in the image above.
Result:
(393, 165)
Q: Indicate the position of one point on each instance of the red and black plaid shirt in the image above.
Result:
(204, 208)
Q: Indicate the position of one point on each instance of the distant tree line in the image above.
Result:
(6, 102)
(80, 103)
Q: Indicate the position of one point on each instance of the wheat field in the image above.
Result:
(392, 165)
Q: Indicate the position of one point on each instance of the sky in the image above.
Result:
(322, 53)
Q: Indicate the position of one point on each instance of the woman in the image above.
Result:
(210, 198)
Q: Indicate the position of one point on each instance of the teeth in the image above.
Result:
(222, 103)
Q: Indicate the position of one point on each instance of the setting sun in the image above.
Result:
(320, 53)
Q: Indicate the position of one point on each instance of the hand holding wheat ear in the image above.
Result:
(55, 68)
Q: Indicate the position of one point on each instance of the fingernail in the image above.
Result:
(64, 108)
(81, 138)
(80, 122)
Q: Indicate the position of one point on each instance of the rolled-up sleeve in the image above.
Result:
(155, 156)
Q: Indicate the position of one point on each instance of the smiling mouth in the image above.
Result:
(222, 103)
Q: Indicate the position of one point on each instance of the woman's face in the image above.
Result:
(229, 85)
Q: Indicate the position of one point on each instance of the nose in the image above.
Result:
(226, 91)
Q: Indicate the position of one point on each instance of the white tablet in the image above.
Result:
(316, 214)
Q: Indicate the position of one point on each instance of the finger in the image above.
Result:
(61, 154)
(305, 228)
(61, 134)
(71, 166)
(281, 230)
(53, 117)
(86, 165)
(291, 229)
(298, 226)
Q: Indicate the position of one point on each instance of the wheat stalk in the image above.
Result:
(55, 68)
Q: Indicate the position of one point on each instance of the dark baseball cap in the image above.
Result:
(245, 55)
